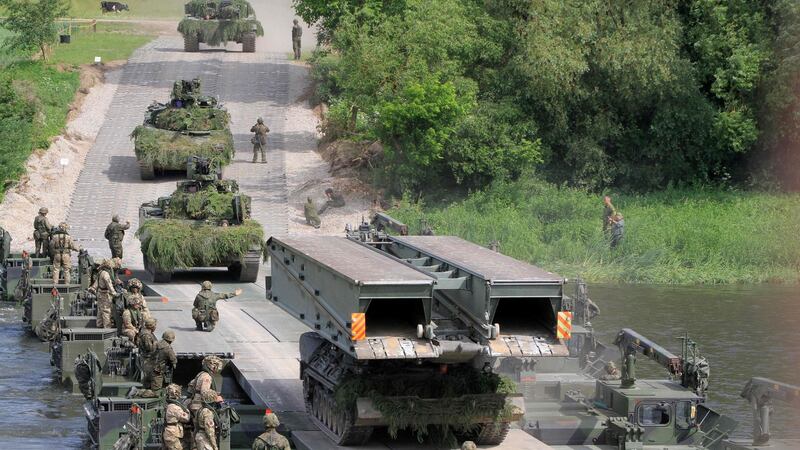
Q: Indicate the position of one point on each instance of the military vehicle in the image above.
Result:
(392, 314)
(14, 279)
(176, 135)
(204, 223)
(214, 23)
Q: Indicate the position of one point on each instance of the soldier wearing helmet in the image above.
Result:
(259, 140)
(205, 312)
(204, 381)
(469, 445)
(115, 233)
(61, 248)
(333, 200)
(132, 319)
(271, 439)
(41, 233)
(160, 368)
(206, 422)
(135, 294)
(611, 372)
(103, 287)
(147, 340)
(175, 416)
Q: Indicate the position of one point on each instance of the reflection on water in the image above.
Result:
(744, 331)
(36, 412)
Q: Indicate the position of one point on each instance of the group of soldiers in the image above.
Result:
(333, 199)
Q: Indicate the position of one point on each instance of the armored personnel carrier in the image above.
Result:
(204, 223)
(219, 22)
(190, 125)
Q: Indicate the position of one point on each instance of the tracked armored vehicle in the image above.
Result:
(204, 223)
(398, 322)
(219, 22)
(175, 134)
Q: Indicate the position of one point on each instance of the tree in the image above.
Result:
(33, 23)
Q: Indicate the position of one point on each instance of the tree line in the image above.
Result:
(637, 95)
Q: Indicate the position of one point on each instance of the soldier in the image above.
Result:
(469, 445)
(115, 233)
(297, 35)
(611, 372)
(23, 287)
(271, 439)
(205, 311)
(147, 341)
(161, 366)
(204, 381)
(103, 287)
(608, 213)
(61, 248)
(206, 424)
(135, 294)
(259, 140)
(617, 229)
(132, 319)
(310, 211)
(41, 233)
(175, 416)
(334, 200)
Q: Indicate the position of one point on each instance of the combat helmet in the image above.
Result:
(271, 420)
(173, 391)
(150, 323)
(168, 336)
(213, 363)
(63, 226)
(115, 218)
(469, 445)
(43, 210)
(104, 263)
(134, 283)
(209, 396)
(206, 285)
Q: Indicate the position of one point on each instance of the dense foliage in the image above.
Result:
(675, 236)
(639, 95)
(216, 32)
(33, 23)
(192, 118)
(170, 150)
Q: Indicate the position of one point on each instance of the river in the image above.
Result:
(744, 331)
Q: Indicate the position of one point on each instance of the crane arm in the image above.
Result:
(630, 339)
(760, 392)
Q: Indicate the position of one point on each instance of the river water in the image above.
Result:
(744, 331)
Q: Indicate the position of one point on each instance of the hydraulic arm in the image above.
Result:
(760, 392)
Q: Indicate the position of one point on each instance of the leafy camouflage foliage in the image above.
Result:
(192, 118)
(207, 204)
(179, 244)
(394, 397)
(199, 8)
(170, 150)
(216, 32)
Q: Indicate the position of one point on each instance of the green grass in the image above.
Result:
(111, 42)
(139, 9)
(672, 237)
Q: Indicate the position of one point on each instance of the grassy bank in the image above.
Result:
(139, 9)
(35, 96)
(676, 237)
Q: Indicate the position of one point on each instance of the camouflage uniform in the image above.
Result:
(153, 379)
(175, 415)
(617, 230)
(61, 248)
(610, 372)
(205, 306)
(310, 211)
(104, 288)
(297, 35)
(204, 381)
(115, 233)
(271, 439)
(147, 344)
(134, 295)
(335, 200)
(205, 436)
(41, 233)
(260, 140)
(132, 320)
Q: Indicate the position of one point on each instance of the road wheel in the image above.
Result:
(191, 43)
(331, 420)
(249, 43)
(493, 433)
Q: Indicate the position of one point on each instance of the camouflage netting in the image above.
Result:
(170, 149)
(177, 244)
(216, 32)
(199, 8)
(192, 118)
(207, 204)
(397, 399)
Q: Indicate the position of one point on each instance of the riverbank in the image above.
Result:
(671, 237)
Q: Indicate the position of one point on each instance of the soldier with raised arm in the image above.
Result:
(115, 233)
(205, 312)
